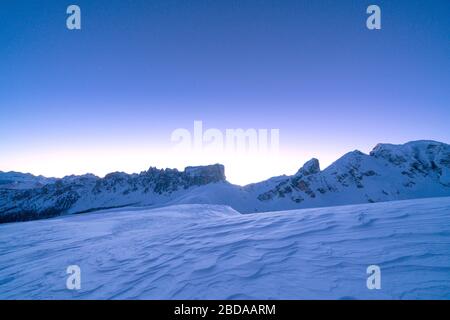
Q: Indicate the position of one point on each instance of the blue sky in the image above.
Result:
(108, 97)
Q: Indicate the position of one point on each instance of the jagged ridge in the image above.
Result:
(390, 172)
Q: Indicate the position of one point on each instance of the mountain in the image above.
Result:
(77, 194)
(417, 169)
(213, 252)
(17, 180)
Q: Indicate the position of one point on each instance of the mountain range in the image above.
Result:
(417, 169)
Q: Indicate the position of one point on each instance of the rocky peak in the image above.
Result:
(205, 174)
(423, 153)
(310, 167)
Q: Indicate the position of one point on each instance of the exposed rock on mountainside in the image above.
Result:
(416, 169)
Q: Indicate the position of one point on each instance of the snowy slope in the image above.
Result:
(17, 180)
(213, 252)
(417, 169)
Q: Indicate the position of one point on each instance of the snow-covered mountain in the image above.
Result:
(17, 180)
(76, 194)
(213, 252)
(416, 169)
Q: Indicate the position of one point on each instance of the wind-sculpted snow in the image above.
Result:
(213, 252)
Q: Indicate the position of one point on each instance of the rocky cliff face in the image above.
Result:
(75, 194)
(390, 172)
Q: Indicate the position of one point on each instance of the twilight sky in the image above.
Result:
(108, 97)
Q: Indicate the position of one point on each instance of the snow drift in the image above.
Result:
(214, 252)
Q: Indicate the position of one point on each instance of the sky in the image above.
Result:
(110, 97)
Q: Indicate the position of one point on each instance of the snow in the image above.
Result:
(213, 252)
(17, 180)
(418, 169)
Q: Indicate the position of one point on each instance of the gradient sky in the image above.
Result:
(108, 97)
